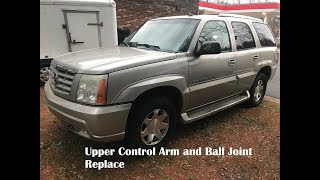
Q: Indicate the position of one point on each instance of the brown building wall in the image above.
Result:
(132, 13)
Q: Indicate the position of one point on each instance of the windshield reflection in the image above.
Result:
(171, 35)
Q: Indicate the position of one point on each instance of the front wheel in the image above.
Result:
(151, 123)
(258, 90)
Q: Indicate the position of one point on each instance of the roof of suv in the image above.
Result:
(210, 17)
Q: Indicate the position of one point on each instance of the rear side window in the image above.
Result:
(243, 35)
(265, 35)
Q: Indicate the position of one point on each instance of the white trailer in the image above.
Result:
(73, 25)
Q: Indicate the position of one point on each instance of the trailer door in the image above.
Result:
(83, 29)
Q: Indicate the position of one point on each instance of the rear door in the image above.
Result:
(268, 49)
(247, 54)
(83, 30)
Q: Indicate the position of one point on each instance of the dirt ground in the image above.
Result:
(62, 152)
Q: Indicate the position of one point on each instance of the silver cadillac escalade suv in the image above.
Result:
(172, 69)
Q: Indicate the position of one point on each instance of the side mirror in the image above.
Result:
(208, 47)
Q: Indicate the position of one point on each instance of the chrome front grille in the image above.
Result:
(61, 78)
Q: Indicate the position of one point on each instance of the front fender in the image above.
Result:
(132, 91)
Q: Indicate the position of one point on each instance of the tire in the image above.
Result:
(44, 73)
(256, 99)
(138, 119)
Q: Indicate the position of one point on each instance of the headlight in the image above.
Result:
(92, 89)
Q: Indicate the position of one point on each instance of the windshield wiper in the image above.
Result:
(125, 44)
(135, 44)
(148, 46)
(132, 44)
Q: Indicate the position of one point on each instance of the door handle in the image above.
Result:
(95, 24)
(232, 62)
(255, 58)
(77, 42)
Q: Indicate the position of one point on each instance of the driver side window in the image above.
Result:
(216, 31)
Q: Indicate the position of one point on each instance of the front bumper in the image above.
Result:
(98, 123)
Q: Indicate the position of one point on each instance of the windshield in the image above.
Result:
(173, 35)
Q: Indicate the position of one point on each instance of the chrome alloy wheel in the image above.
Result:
(258, 90)
(44, 74)
(154, 127)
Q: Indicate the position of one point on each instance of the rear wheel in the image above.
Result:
(151, 123)
(44, 72)
(258, 90)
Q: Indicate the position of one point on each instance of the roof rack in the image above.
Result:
(239, 16)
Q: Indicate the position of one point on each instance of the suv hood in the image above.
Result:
(106, 60)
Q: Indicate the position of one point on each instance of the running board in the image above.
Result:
(213, 108)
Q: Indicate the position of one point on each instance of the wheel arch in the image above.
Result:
(171, 92)
(166, 85)
(266, 70)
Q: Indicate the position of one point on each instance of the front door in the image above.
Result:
(212, 76)
(83, 30)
